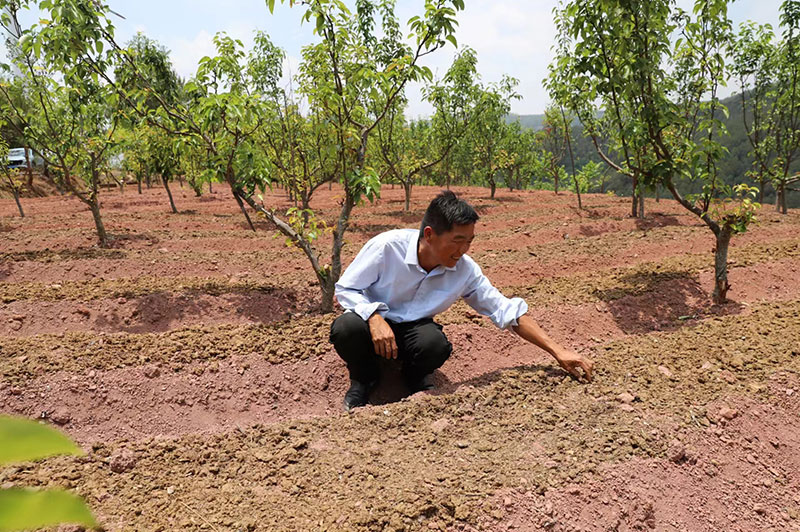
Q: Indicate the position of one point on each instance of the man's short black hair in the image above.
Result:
(446, 210)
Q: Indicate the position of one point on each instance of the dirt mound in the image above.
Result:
(531, 429)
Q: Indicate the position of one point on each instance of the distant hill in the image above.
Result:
(732, 167)
(529, 121)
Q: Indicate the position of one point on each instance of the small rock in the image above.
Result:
(439, 425)
(665, 371)
(151, 372)
(70, 528)
(60, 416)
(676, 452)
(170, 490)
(759, 509)
(728, 413)
(122, 460)
(728, 377)
(626, 398)
(83, 311)
(462, 444)
(16, 325)
(707, 366)
(627, 408)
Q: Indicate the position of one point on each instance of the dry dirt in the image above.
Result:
(191, 365)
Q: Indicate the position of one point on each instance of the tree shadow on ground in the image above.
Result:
(660, 301)
(657, 220)
(374, 229)
(410, 216)
(118, 240)
(54, 255)
(505, 198)
(157, 312)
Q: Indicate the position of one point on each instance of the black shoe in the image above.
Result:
(423, 384)
(357, 395)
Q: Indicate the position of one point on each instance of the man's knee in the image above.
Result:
(348, 327)
(434, 345)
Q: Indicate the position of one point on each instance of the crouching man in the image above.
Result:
(400, 280)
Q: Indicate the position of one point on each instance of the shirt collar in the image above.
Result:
(412, 257)
(411, 251)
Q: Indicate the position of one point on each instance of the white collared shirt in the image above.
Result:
(386, 277)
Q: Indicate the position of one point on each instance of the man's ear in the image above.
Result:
(427, 232)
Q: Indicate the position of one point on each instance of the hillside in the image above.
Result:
(732, 167)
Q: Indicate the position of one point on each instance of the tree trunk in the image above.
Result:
(327, 289)
(210, 190)
(94, 206)
(493, 187)
(555, 181)
(139, 183)
(19, 205)
(658, 190)
(29, 166)
(780, 199)
(147, 180)
(169, 193)
(641, 206)
(407, 189)
(635, 198)
(721, 285)
(244, 211)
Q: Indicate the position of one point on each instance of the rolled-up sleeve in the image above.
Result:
(487, 300)
(362, 273)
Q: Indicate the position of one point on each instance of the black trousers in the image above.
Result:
(421, 347)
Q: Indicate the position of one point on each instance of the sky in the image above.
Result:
(511, 37)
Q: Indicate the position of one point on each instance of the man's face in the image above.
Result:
(449, 246)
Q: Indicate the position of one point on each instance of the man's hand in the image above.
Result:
(572, 363)
(382, 336)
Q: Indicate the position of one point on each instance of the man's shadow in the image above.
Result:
(392, 388)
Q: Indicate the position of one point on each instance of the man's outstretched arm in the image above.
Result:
(571, 361)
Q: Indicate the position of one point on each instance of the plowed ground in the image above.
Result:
(191, 365)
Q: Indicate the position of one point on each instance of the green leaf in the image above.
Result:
(271, 5)
(23, 439)
(452, 39)
(27, 509)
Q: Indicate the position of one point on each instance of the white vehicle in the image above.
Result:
(17, 159)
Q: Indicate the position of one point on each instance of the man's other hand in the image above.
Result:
(572, 363)
(382, 336)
